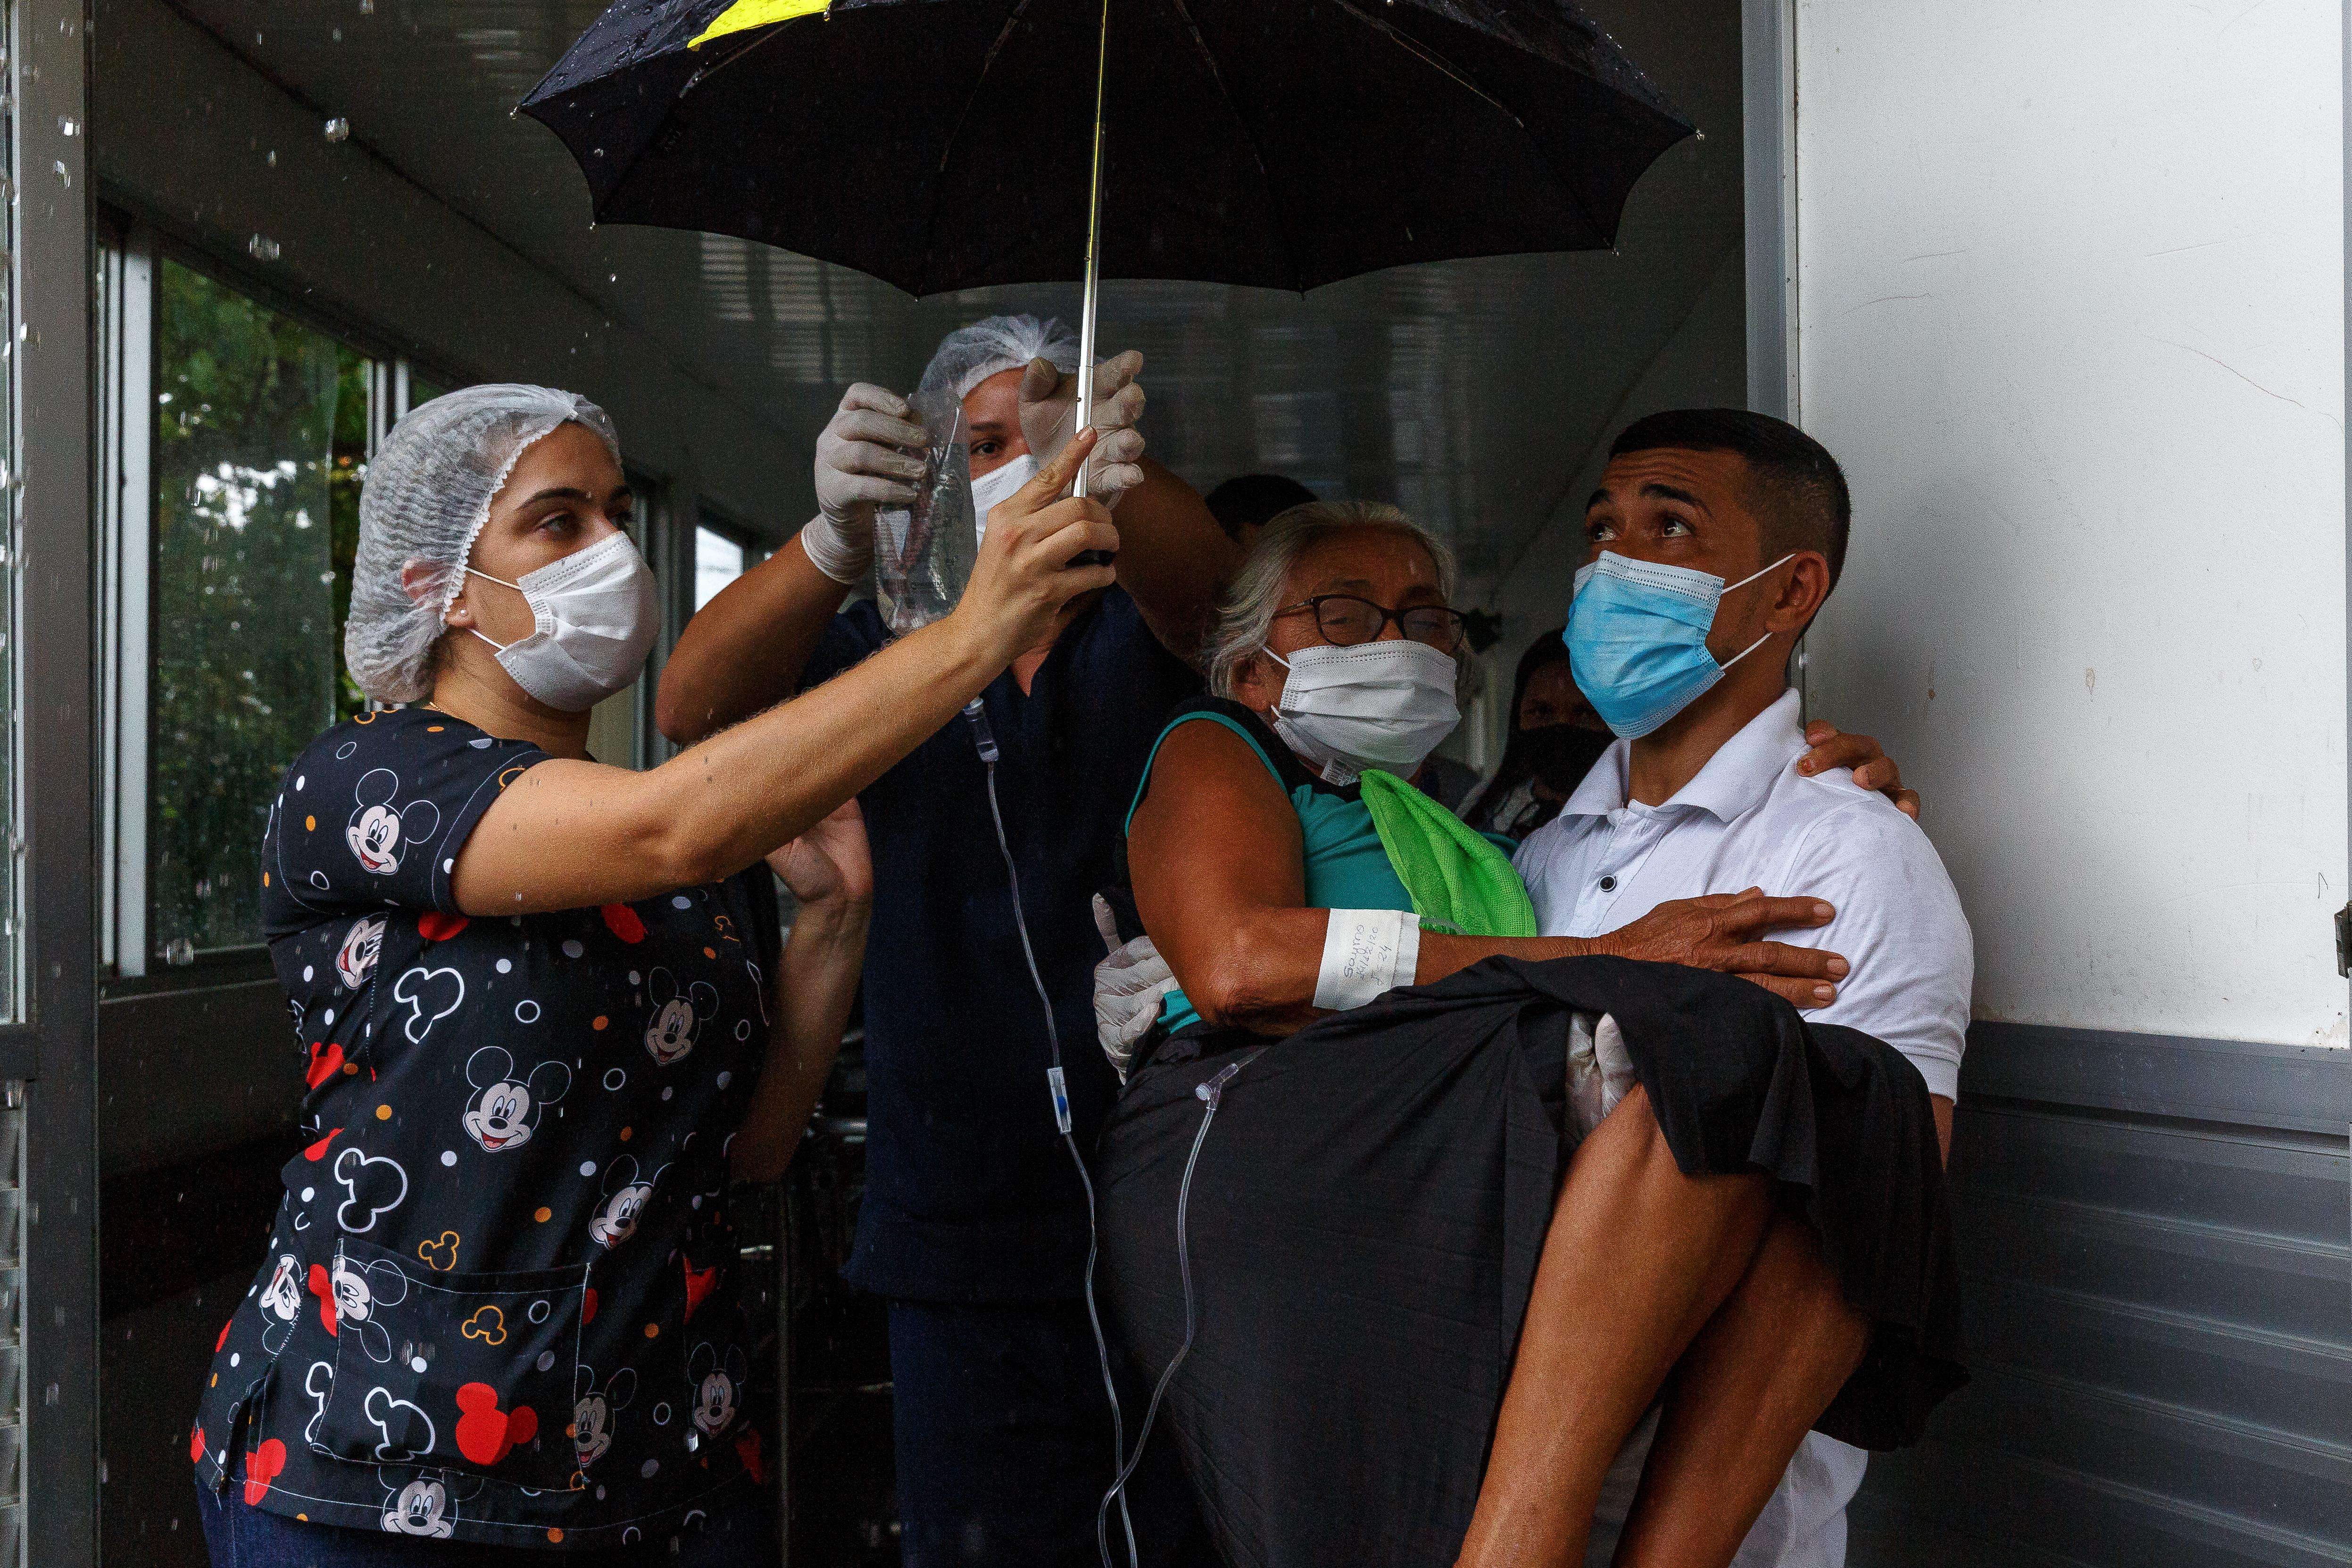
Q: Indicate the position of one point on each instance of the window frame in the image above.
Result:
(129, 263)
(126, 355)
(649, 527)
(49, 1059)
(754, 543)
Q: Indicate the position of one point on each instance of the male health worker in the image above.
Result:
(975, 1224)
(1715, 537)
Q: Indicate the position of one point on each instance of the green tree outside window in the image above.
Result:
(260, 447)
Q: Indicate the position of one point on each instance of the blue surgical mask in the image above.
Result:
(1637, 639)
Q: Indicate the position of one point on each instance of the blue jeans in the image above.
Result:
(1003, 1443)
(741, 1535)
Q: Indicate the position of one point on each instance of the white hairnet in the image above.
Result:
(970, 355)
(426, 497)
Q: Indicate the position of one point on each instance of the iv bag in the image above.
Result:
(923, 554)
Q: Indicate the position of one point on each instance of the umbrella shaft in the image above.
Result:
(1086, 405)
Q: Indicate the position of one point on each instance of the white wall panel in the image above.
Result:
(2071, 312)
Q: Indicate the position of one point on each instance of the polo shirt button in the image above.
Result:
(1608, 884)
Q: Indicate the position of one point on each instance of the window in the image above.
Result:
(722, 552)
(236, 437)
(718, 562)
(260, 440)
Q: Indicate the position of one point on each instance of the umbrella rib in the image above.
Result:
(1428, 57)
(1249, 136)
(939, 187)
(704, 73)
(1432, 58)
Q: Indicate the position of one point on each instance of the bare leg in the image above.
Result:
(1756, 1378)
(1638, 1258)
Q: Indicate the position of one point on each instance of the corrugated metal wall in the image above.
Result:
(2154, 1237)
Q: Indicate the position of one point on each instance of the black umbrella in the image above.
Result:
(947, 145)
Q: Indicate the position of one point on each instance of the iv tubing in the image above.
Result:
(985, 739)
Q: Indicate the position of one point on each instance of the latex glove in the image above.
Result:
(869, 456)
(1048, 402)
(1129, 986)
(1600, 1069)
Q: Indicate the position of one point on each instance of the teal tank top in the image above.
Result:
(1347, 868)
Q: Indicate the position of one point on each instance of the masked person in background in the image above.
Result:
(976, 1221)
(547, 1017)
(1555, 738)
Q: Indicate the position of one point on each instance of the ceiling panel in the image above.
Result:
(1467, 392)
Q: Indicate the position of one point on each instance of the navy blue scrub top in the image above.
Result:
(970, 1194)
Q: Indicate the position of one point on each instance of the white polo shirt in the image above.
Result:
(1751, 820)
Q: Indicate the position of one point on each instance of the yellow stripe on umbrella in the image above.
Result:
(745, 14)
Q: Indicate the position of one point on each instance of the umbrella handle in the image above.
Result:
(1094, 264)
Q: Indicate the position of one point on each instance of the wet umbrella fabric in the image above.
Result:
(946, 144)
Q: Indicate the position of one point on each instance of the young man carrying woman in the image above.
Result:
(1446, 1250)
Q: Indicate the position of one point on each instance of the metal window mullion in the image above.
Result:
(662, 514)
(108, 327)
(54, 413)
(129, 565)
(1768, 157)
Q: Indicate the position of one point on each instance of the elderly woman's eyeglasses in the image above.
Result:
(1347, 620)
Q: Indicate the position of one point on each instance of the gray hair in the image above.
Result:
(1244, 617)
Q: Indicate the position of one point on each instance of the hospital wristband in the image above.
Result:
(1365, 953)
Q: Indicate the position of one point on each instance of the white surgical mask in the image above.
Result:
(597, 615)
(1384, 705)
(998, 485)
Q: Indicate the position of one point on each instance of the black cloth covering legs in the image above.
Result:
(1372, 1199)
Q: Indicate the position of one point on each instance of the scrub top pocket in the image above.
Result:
(465, 1372)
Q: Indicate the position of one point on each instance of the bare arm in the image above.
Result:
(747, 648)
(1173, 558)
(750, 647)
(1220, 882)
(812, 990)
(567, 835)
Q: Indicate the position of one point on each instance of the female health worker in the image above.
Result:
(545, 1020)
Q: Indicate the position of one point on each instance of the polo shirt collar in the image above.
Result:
(1603, 788)
(1733, 780)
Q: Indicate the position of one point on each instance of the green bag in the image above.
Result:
(1459, 883)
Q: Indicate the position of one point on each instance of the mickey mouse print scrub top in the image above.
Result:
(498, 1304)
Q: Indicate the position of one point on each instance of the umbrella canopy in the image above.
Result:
(947, 145)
